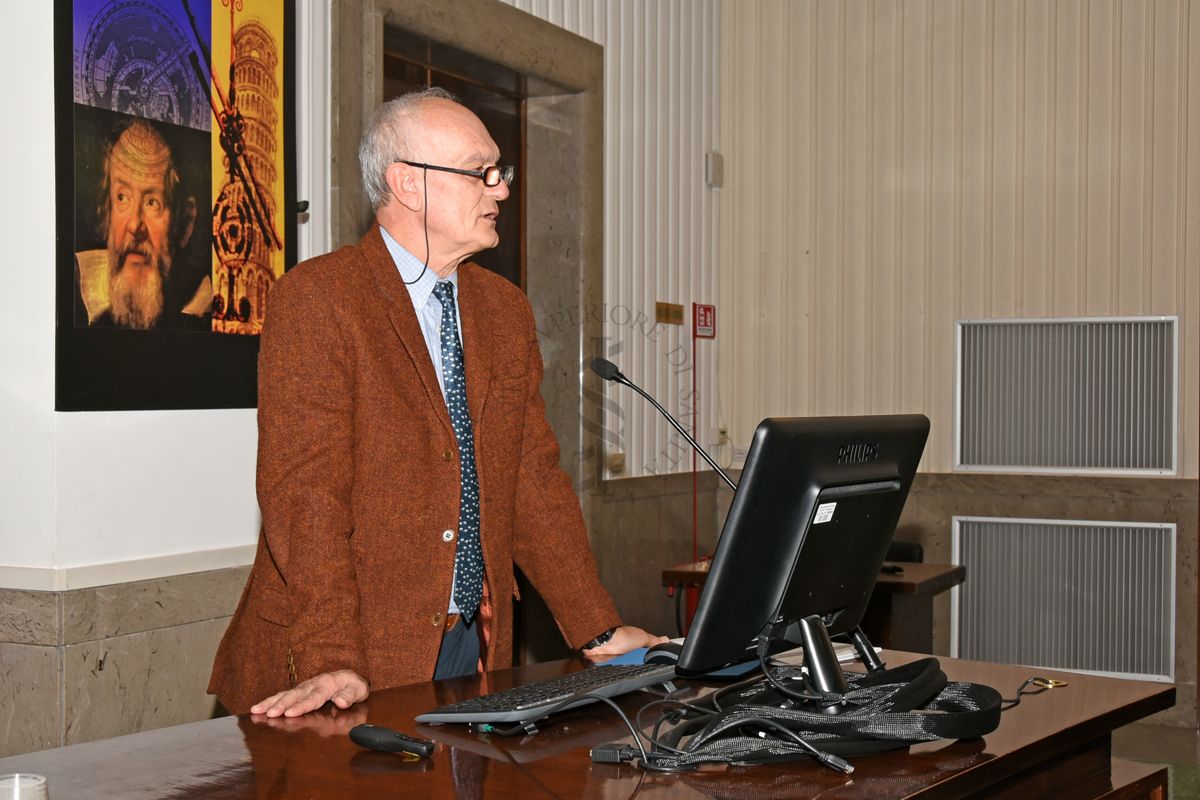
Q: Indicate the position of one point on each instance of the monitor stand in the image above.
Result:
(820, 659)
(824, 669)
(825, 673)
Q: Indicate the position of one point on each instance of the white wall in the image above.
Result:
(147, 484)
(27, 324)
(96, 498)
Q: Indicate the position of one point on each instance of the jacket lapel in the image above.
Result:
(404, 321)
(477, 341)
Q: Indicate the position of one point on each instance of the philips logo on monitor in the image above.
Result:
(858, 453)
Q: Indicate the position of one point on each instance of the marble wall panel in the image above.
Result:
(638, 526)
(29, 617)
(139, 681)
(117, 659)
(538, 49)
(106, 611)
(30, 717)
(554, 265)
(356, 87)
(642, 526)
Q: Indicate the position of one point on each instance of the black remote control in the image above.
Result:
(375, 737)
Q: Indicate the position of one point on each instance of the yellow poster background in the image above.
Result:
(248, 195)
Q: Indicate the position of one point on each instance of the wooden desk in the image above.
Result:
(1056, 744)
(900, 614)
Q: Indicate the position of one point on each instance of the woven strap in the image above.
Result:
(886, 710)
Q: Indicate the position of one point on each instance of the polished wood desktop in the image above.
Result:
(900, 614)
(1055, 744)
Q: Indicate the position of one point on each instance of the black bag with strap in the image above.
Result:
(884, 710)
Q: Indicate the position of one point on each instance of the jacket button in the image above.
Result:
(438, 619)
(448, 454)
(447, 536)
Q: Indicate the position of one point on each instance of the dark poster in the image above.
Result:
(175, 197)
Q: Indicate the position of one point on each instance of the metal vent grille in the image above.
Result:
(1090, 596)
(1067, 395)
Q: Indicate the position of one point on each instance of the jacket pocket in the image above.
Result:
(273, 607)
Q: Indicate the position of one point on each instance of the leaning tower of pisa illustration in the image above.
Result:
(246, 224)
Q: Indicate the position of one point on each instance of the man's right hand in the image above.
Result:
(344, 687)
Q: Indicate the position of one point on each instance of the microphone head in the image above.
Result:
(605, 368)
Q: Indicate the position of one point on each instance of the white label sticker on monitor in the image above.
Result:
(824, 513)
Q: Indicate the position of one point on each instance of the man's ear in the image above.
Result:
(404, 186)
(188, 224)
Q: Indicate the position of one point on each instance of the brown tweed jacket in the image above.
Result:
(358, 477)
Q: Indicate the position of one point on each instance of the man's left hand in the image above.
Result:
(624, 639)
(328, 721)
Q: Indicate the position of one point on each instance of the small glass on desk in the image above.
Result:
(22, 786)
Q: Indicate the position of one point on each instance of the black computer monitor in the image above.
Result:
(807, 532)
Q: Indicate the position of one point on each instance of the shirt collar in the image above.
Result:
(410, 267)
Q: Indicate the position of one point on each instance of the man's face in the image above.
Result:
(139, 223)
(462, 211)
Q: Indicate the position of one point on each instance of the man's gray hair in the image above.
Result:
(387, 139)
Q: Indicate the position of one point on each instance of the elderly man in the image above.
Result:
(405, 461)
(146, 222)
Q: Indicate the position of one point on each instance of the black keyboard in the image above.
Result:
(534, 699)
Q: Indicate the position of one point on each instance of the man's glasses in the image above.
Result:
(491, 176)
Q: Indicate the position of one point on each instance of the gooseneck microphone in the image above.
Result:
(608, 370)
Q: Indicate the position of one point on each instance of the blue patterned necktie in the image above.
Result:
(468, 556)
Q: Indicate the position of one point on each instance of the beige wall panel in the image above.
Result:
(1168, 110)
(828, 171)
(1100, 100)
(1066, 180)
(801, 138)
(1134, 94)
(944, 241)
(895, 165)
(883, 217)
(975, 168)
(1035, 116)
(735, 32)
(851, 230)
(777, 280)
(1189, 271)
(915, 166)
(1005, 169)
(661, 107)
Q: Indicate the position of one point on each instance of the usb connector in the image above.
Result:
(613, 754)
